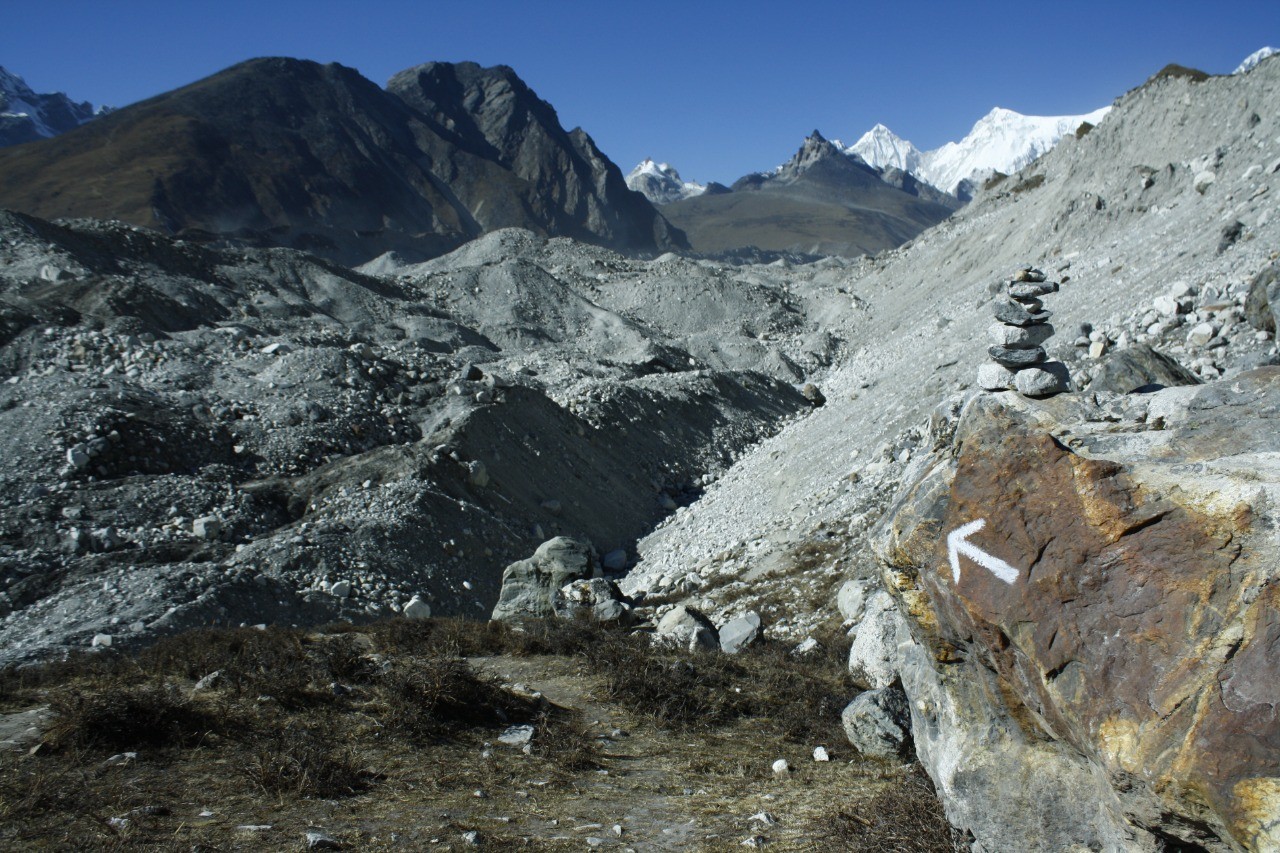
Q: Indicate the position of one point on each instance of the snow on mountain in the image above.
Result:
(1001, 141)
(26, 116)
(661, 183)
(882, 148)
(1254, 58)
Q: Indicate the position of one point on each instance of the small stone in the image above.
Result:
(341, 589)
(1200, 335)
(995, 377)
(1203, 181)
(781, 767)
(813, 394)
(615, 561)
(807, 646)
(417, 609)
(471, 838)
(100, 640)
(319, 840)
(1030, 274)
(516, 735)
(820, 754)
(207, 527)
(1097, 349)
(78, 456)
(1015, 315)
(208, 682)
(121, 758)
(764, 818)
(1017, 358)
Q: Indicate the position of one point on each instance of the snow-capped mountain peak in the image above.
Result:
(882, 148)
(661, 183)
(26, 116)
(1000, 141)
(1254, 58)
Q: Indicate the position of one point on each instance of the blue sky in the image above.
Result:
(719, 89)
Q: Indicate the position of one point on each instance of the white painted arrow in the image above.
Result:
(956, 545)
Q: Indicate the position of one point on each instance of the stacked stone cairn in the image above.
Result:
(1018, 359)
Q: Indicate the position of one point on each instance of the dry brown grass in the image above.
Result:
(392, 726)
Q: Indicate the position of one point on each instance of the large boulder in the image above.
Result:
(1139, 367)
(878, 723)
(529, 586)
(688, 628)
(1264, 295)
(1094, 619)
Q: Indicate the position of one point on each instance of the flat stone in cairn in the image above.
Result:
(1020, 336)
(1031, 290)
(1015, 314)
(1029, 274)
(1015, 358)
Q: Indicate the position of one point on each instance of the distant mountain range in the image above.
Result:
(293, 153)
(822, 201)
(26, 116)
(1001, 141)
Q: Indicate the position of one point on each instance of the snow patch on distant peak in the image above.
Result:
(1251, 61)
(661, 183)
(26, 116)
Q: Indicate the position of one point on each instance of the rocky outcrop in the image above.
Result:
(1092, 603)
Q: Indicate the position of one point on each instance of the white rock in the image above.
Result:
(1200, 335)
(516, 735)
(994, 377)
(341, 589)
(417, 609)
(781, 767)
(1203, 181)
(820, 754)
(1097, 349)
(873, 655)
(102, 640)
(207, 527)
(852, 598)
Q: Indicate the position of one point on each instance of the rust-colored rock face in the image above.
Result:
(1143, 627)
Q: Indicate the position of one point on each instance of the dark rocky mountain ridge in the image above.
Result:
(290, 152)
